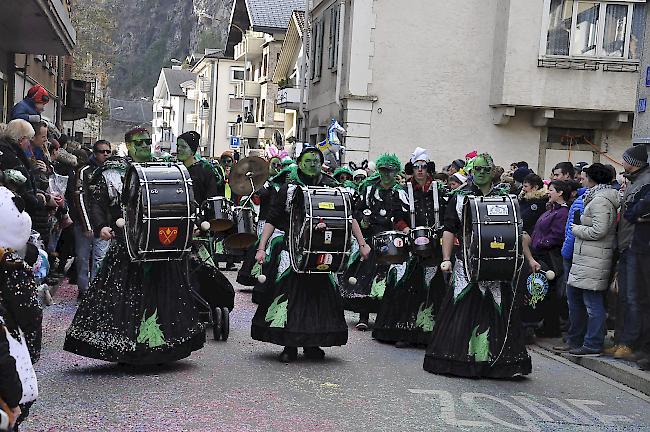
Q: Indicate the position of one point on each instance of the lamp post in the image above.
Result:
(243, 99)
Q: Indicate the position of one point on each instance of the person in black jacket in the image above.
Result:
(204, 181)
(532, 201)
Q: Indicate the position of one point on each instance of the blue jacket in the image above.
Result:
(26, 110)
(569, 238)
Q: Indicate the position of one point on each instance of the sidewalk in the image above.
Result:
(621, 371)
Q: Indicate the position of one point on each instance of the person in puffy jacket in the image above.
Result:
(593, 253)
(30, 108)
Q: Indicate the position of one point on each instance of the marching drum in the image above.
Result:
(492, 236)
(320, 230)
(425, 243)
(218, 211)
(159, 211)
(391, 247)
(245, 227)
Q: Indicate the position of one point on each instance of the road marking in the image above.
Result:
(448, 410)
(470, 401)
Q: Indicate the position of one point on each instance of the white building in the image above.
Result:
(216, 106)
(173, 107)
(535, 80)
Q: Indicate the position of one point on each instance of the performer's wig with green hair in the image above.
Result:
(389, 160)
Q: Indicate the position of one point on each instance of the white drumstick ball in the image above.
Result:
(550, 275)
(352, 280)
(445, 266)
(205, 225)
(261, 278)
(120, 223)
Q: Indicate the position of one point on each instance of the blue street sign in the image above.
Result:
(647, 77)
(643, 102)
(235, 142)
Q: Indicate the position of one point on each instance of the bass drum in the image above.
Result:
(320, 230)
(492, 236)
(159, 211)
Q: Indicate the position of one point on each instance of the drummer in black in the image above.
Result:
(303, 310)
(204, 181)
(382, 206)
(411, 302)
(478, 332)
(133, 312)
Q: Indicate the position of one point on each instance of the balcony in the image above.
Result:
(250, 46)
(246, 130)
(288, 98)
(253, 89)
(191, 119)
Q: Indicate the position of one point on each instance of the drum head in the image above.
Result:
(132, 201)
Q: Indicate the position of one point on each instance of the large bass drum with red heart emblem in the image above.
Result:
(320, 229)
(159, 211)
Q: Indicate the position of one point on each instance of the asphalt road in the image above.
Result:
(239, 385)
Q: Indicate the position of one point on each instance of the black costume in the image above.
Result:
(388, 211)
(298, 309)
(204, 181)
(468, 338)
(133, 312)
(411, 302)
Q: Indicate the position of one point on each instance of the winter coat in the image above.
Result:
(78, 194)
(11, 389)
(531, 206)
(569, 238)
(26, 110)
(595, 241)
(638, 209)
(549, 229)
(625, 229)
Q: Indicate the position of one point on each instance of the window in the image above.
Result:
(262, 110)
(236, 74)
(317, 61)
(231, 130)
(234, 104)
(595, 29)
(570, 136)
(333, 38)
(265, 65)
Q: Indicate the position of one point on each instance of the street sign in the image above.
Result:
(235, 142)
(642, 105)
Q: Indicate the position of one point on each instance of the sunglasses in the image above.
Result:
(420, 166)
(276, 165)
(142, 142)
(483, 169)
(359, 178)
(103, 151)
(387, 170)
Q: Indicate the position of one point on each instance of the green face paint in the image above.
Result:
(481, 172)
(387, 176)
(275, 166)
(183, 150)
(140, 147)
(310, 164)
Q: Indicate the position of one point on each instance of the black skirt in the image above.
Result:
(468, 338)
(366, 295)
(245, 275)
(411, 304)
(299, 310)
(136, 313)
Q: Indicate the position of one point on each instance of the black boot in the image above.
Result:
(288, 354)
(363, 321)
(314, 353)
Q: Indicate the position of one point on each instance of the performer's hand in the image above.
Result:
(260, 255)
(406, 230)
(534, 266)
(445, 266)
(106, 233)
(13, 416)
(364, 250)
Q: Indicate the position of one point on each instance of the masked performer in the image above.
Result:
(410, 305)
(134, 312)
(304, 310)
(382, 206)
(478, 332)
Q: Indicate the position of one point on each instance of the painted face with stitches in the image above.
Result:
(310, 164)
(140, 147)
(482, 171)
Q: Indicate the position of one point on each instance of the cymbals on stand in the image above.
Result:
(250, 168)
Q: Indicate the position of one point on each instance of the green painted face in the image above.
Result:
(482, 172)
(387, 176)
(183, 150)
(310, 164)
(275, 166)
(140, 147)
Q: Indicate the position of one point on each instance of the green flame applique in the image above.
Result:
(277, 313)
(378, 288)
(479, 346)
(425, 318)
(257, 270)
(150, 332)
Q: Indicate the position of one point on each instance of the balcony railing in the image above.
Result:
(250, 46)
(246, 130)
(253, 89)
(288, 98)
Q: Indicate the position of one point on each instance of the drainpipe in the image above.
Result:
(60, 93)
(339, 60)
(304, 81)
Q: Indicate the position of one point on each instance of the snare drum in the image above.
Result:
(159, 211)
(320, 230)
(218, 211)
(425, 244)
(245, 227)
(492, 235)
(391, 247)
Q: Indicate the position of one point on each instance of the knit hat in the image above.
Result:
(419, 154)
(39, 94)
(458, 164)
(520, 174)
(192, 139)
(360, 172)
(637, 155)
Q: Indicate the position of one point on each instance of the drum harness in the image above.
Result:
(436, 203)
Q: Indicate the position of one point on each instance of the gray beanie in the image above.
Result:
(637, 155)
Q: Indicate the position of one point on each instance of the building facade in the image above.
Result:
(541, 81)
(173, 107)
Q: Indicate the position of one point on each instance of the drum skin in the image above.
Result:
(320, 231)
(159, 211)
(492, 238)
(391, 247)
(245, 227)
(219, 212)
(425, 243)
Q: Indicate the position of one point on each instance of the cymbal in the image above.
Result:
(249, 168)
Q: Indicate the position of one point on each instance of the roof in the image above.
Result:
(291, 46)
(175, 77)
(272, 14)
(136, 112)
(299, 17)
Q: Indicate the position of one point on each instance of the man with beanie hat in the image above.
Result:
(204, 181)
(628, 330)
(32, 106)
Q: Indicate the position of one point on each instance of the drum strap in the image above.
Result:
(436, 203)
(409, 186)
